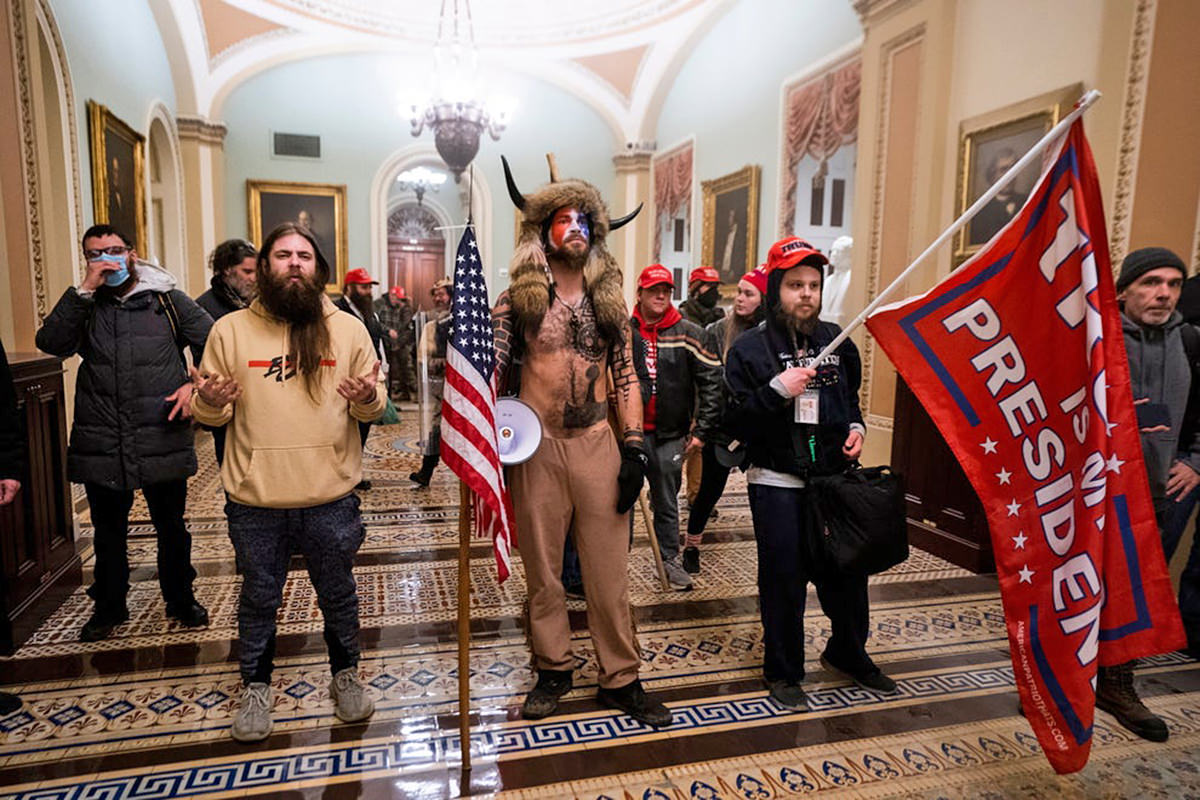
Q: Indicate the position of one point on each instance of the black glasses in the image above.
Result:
(115, 250)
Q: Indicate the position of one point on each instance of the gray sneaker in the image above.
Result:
(351, 703)
(677, 576)
(252, 723)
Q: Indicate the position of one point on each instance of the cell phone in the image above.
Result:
(1152, 415)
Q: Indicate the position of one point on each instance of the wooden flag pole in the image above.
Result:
(464, 633)
(658, 562)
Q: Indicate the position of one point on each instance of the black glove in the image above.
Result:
(629, 481)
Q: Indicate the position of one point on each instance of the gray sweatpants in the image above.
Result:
(264, 539)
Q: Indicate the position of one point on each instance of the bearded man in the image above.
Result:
(356, 300)
(798, 420)
(565, 318)
(290, 377)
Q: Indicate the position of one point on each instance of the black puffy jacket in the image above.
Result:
(765, 420)
(121, 437)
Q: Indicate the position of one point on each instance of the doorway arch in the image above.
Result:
(164, 189)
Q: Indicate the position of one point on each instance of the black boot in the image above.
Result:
(422, 478)
(1116, 695)
(542, 700)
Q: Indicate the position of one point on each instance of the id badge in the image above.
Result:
(807, 407)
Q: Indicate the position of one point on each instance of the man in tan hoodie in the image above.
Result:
(291, 377)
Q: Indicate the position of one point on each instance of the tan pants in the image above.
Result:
(571, 484)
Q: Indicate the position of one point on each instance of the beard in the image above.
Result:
(297, 303)
(796, 325)
(573, 259)
(363, 303)
(241, 287)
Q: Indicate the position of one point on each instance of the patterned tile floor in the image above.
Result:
(146, 712)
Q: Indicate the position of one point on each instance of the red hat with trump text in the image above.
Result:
(703, 275)
(398, 293)
(792, 250)
(359, 276)
(655, 274)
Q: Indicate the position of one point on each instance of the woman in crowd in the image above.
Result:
(718, 338)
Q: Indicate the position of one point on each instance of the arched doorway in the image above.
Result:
(166, 222)
(416, 252)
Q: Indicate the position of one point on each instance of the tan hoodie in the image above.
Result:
(282, 450)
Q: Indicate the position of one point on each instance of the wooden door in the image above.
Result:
(416, 266)
(945, 516)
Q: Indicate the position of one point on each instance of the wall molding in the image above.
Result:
(201, 129)
(1132, 116)
(29, 170)
(879, 180)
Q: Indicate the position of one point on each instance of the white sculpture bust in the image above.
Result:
(833, 297)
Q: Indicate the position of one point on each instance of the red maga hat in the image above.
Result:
(704, 275)
(758, 278)
(654, 275)
(398, 293)
(359, 276)
(792, 250)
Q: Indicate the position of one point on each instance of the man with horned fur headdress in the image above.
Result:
(564, 317)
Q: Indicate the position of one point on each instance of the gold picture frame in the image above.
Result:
(270, 203)
(987, 145)
(118, 175)
(731, 223)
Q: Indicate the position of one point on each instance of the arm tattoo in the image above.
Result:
(502, 329)
(628, 390)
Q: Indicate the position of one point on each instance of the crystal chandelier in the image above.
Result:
(454, 112)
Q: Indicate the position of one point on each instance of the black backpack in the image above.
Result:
(862, 527)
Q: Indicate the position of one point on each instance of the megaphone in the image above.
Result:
(518, 431)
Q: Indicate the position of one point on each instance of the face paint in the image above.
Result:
(568, 223)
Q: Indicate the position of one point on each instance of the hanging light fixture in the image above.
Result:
(419, 180)
(454, 111)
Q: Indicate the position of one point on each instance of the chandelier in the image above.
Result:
(454, 111)
(419, 180)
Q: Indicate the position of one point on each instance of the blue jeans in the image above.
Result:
(1174, 525)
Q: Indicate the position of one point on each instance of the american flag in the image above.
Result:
(469, 404)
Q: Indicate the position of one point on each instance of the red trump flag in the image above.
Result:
(1018, 357)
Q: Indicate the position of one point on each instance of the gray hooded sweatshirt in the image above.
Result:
(1159, 370)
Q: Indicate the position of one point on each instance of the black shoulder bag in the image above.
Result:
(862, 527)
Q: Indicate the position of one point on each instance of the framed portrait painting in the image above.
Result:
(731, 223)
(988, 146)
(118, 175)
(320, 207)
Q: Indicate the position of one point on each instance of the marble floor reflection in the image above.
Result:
(145, 713)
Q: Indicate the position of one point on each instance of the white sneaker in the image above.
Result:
(677, 576)
(252, 723)
(351, 702)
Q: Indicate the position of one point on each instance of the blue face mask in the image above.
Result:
(121, 274)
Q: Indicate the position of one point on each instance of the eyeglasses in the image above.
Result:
(115, 250)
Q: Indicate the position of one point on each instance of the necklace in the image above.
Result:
(582, 335)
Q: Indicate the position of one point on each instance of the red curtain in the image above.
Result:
(821, 116)
(672, 189)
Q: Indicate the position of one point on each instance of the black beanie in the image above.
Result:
(1139, 262)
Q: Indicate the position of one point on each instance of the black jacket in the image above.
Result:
(220, 299)
(688, 376)
(12, 439)
(372, 322)
(121, 438)
(763, 419)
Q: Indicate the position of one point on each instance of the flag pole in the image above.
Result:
(464, 598)
(464, 633)
(1084, 103)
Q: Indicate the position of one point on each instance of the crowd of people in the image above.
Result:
(289, 382)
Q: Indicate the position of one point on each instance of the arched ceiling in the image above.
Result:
(617, 56)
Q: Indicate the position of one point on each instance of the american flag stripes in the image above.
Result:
(469, 404)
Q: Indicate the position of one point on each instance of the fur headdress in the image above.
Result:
(530, 286)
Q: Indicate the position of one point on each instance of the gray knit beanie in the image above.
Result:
(1139, 262)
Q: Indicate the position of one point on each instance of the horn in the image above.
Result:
(553, 167)
(616, 223)
(513, 192)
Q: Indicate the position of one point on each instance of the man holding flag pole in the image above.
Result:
(1018, 357)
